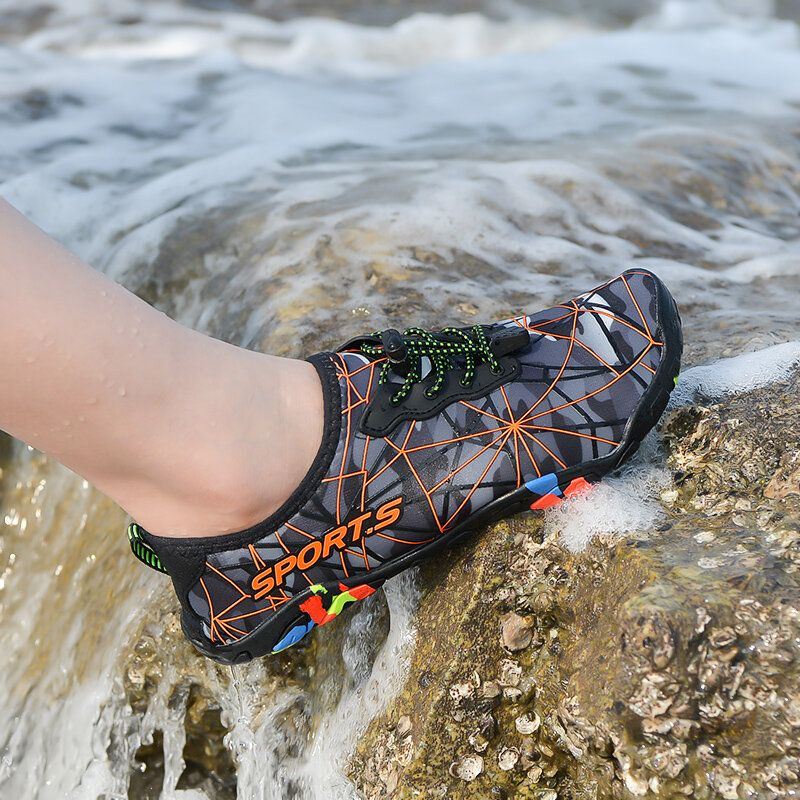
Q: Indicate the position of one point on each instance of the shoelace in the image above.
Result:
(441, 349)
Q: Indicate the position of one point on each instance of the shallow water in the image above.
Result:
(285, 183)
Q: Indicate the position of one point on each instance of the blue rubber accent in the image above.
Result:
(546, 484)
(293, 637)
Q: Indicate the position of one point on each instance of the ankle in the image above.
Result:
(288, 439)
(245, 466)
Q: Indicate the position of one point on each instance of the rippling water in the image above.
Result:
(283, 182)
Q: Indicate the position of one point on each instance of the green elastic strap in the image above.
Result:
(440, 349)
(143, 551)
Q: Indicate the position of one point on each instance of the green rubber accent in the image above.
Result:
(675, 380)
(339, 602)
(142, 551)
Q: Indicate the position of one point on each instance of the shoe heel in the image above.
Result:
(322, 605)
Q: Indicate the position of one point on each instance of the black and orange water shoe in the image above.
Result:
(429, 436)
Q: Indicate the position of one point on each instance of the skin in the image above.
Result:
(190, 435)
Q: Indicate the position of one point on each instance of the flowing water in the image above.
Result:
(284, 181)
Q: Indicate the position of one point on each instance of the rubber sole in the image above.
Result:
(293, 621)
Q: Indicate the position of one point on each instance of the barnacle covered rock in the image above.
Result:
(665, 664)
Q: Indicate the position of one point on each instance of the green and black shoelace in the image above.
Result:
(441, 349)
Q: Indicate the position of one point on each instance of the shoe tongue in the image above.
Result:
(398, 372)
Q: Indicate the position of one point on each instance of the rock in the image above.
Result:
(527, 724)
(516, 631)
(469, 768)
(510, 673)
(492, 689)
(507, 758)
(665, 665)
(403, 726)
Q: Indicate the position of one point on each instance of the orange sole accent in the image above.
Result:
(575, 486)
(546, 501)
(314, 608)
(358, 592)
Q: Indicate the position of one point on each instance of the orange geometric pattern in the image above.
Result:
(587, 365)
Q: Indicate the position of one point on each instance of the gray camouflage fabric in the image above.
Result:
(586, 367)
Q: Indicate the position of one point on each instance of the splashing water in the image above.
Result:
(628, 502)
(287, 184)
(621, 504)
(743, 373)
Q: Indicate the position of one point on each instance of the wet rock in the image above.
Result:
(666, 665)
(469, 768)
(492, 689)
(403, 726)
(516, 632)
(527, 724)
(507, 758)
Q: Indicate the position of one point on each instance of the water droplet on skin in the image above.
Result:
(121, 391)
(30, 359)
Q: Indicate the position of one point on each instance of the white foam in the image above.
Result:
(373, 688)
(628, 502)
(621, 504)
(319, 756)
(764, 267)
(743, 373)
